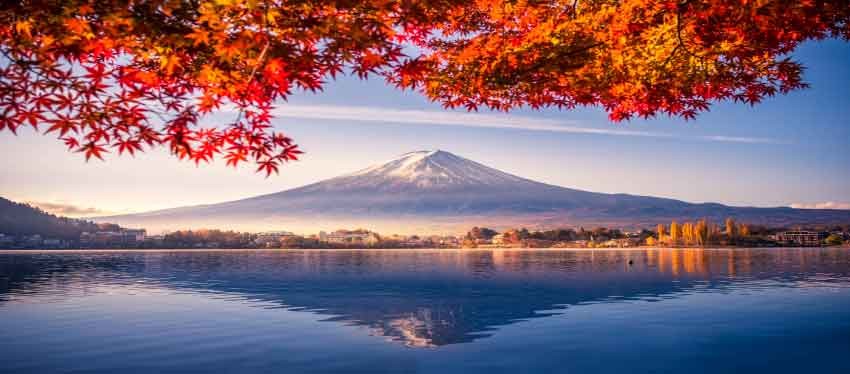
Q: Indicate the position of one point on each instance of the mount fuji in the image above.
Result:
(439, 192)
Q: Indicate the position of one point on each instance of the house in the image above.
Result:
(351, 237)
(447, 241)
(6, 240)
(801, 237)
(621, 243)
(53, 243)
(120, 238)
(273, 238)
(33, 241)
(133, 235)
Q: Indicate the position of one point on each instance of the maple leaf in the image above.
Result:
(235, 157)
(110, 78)
(24, 27)
(199, 37)
(71, 143)
(128, 145)
(268, 166)
(92, 149)
(63, 124)
(169, 63)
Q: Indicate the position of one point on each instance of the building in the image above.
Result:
(800, 237)
(273, 238)
(53, 243)
(120, 238)
(6, 241)
(448, 241)
(621, 243)
(33, 241)
(133, 235)
(154, 240)
(360, 237)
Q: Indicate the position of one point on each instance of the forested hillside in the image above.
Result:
(23, 219)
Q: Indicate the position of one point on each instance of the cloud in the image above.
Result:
(823, 205)
(481, 120)
(741, 139)
(64, 209)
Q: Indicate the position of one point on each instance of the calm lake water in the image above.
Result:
(426, 311)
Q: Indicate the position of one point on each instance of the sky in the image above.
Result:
(790, 150)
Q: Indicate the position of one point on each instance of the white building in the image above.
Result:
(799, 237)
(350, 237)
(134, 235)
(273, 238)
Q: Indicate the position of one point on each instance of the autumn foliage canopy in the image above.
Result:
(125, 76)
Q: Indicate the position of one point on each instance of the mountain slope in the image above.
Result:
(420, 172)
(23, 219)
(436, 191)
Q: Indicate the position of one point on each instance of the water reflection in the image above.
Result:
(423, 298)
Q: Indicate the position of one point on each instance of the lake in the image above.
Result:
(426, 311)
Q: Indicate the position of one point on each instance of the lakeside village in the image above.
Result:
(688, 234)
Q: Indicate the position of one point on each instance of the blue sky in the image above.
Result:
(792, 149)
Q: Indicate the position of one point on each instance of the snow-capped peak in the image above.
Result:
(430, 169)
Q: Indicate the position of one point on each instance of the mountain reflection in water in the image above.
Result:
(425, 298)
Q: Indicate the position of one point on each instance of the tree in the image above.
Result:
(702, 232)
(730, 227)
(833, 239)
(523, 233)
(743, 230)
(23, 219)
(126, 76)
(688, 233)
(675, 233)
(713, 231)
(512, 236)
(660, 230)
(481, 233)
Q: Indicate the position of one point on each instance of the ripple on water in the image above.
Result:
(372, 311)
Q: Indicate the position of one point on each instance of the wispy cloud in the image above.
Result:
(481, 120)
(65, 209)
(823, 205)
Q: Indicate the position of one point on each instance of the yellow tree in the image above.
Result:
(743, 229)
(701, 232)
(675, 233)
(713, 231)
(688, 233)
(730, 227)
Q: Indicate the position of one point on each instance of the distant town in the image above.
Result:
(687, 234)
(26, 227)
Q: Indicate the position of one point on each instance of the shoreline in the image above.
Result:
(524, 249)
